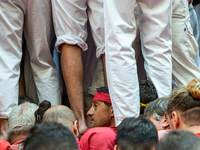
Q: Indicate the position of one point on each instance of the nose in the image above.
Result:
(90, 112)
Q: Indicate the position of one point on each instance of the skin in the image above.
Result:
(161, 124)
(72, 68)
(176, 122)
(4, 129)
(104, 69)
(101, 115)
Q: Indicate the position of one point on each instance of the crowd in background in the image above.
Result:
(140, 89)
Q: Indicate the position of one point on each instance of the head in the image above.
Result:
(98, 138)
(136, 133)
(24, 98)
(101, 113)
(41, 110)
(147, 94)
(179, 140)
(51, 136)
(64, 115)
(183, 107)
(21, 119)
(156, 111)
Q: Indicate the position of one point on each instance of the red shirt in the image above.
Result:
(198, 134)
(4, 145)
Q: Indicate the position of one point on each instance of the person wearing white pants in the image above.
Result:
(120, 31)
(33, 19)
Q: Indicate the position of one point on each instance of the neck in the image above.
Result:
(194, 129)
(112, 123)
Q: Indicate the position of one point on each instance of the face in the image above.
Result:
(161, 124)
(100, 114)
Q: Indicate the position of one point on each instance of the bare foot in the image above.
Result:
(82, 127)
(4, 129)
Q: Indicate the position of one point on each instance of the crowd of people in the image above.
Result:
(167, 123)
(140, 89)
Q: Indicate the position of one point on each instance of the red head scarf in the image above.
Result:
(101, 96)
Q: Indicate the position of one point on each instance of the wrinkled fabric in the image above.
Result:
(195, 26)
(70, 22)
(184, 45)
(33, 18)
(155, 32)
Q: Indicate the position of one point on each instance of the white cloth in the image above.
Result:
(184, 45)
(195, 26)
(70, 22)
(33, 18)
(120, 29)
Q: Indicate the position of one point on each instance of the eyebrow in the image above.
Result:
(96, 102)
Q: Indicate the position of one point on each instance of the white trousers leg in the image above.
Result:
(184, 45)
(34, 19)
(120, 32)
(11, 23)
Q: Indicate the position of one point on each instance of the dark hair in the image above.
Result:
(24, 98)
(147, 93)
(103, 89)
(157, 109)
(50, 136)
(179, 140)
(137, 133)
(186, 100)
(41, 110)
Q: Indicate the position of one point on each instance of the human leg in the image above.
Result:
(155, 28)
(11, 20)
(120, 32)
(184, 45)
(38, 27)
(71, 32)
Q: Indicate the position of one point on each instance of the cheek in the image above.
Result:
(171, 124)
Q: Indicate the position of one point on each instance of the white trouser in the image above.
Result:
(184, 45)
(195, 27)
(70, 22)
(120, 29)
(33, 18)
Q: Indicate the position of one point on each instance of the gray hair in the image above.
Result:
(22, 117)
(157, 109)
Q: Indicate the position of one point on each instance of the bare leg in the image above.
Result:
(104, 69)
(72, 68)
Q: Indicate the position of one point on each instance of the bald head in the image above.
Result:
(60, 114)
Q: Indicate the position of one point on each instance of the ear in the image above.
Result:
(115, 147)
(75, 128)
(175, 118)
(165, 122)
(111, 111)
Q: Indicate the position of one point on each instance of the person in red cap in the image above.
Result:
(101, 113)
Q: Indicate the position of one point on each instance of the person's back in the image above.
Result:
(179, 140)
(64, 115)
(21, 120)
(136, 133)
(50, 136)
(102, 138)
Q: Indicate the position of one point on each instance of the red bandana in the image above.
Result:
(101, 96)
